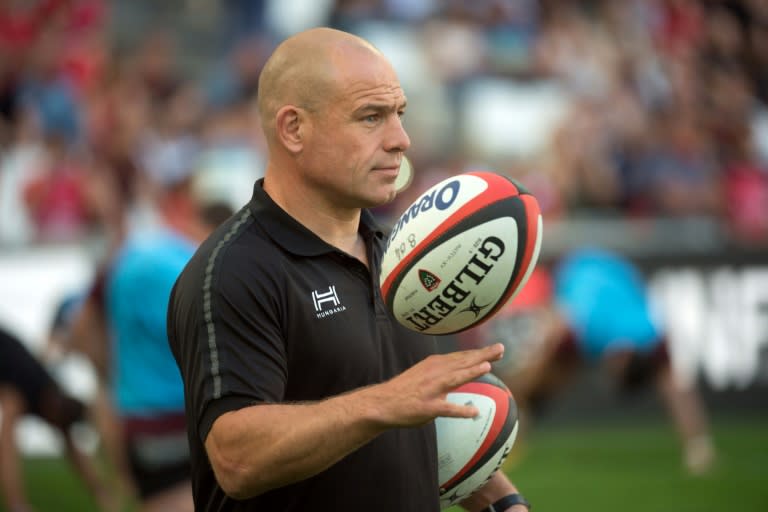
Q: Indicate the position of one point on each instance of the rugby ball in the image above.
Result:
(459, 252)
(470, 450)
(404, 176)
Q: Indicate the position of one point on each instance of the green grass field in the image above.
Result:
(637, 468)
(616, 467)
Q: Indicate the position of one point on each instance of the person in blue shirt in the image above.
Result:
(592, 310)
(147, 389)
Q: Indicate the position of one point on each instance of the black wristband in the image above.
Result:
(507, 501)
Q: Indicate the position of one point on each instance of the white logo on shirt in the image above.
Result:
(327, 302)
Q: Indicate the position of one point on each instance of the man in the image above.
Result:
(26, 387)
(302, 391)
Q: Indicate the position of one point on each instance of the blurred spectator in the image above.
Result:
(20, 165)
(581, 159)
(575, 51)
(683, 172)
(236, 82)
(746, 191)
(117, 116)
(409, 11)
(723, 41)
(627, 109)
(243, 19)
(456, 45)
(232, 154)
(169, 148)
(757, 54)
(678, 26)
(49, 94)
(156, 65)
(55, 198)
(346, 14)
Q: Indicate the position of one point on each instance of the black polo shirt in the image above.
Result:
(268, 312)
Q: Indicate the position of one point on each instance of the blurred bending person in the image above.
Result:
(147, 389)
(593, 310)
(27, 388)
(79, 326)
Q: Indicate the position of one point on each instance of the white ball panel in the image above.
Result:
(487, 252)
(463, 435)
(426, 214)
(479, 477)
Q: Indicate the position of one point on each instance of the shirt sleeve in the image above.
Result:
(232, 353)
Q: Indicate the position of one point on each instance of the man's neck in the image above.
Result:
(338, 227)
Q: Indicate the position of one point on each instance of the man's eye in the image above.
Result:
(372, 118)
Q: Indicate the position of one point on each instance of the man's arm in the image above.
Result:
(266, 446)
(495, 489)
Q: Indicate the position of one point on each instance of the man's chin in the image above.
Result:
(383, 198)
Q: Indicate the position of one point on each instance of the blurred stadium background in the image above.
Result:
(640, 125)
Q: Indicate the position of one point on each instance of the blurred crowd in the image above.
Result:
(646, 108)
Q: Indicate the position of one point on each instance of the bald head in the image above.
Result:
(304, 71)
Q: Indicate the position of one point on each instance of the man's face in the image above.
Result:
(356, 139)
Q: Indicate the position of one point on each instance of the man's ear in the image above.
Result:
(289, 127)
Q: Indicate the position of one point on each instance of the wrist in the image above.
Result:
(512, 502)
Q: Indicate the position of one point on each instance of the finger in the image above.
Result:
(490, 353)
(465, 375)
(497, 351)
(452, 410)
(467, 358)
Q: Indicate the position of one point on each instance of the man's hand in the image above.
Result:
(418, 395)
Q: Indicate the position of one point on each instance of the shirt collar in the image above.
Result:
(293, 236)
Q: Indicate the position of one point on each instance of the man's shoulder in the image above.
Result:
(237, 246)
